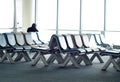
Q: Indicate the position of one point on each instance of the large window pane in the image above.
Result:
(6, 15)
(113, 15)
(92, 14)
(69, 14)
(112, 37)
(46, 18)
(113, 21)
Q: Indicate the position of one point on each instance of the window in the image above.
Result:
(92, 15)
(112, 38)
(113, 15)
(46, 18)
(112, 21)
(69, 16)
(6, 15)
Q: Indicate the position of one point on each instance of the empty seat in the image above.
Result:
(36, 38)
(17, 49)
(99, 41)
(79, 43)
(114, 55)
(96, 50)
(5, 50)
(21, 42)
(82, 55)
(41, 51)
(61, 44)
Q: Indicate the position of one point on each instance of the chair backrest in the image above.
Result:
(53, 42)
(78, 41)
(28, 39)
(10, 39)
(35, 37)
(19, 38)
(85, 40)
(3, 42)
(69, 41)
(39, 38)
(62, 42)
(97, 39)
(58, 41)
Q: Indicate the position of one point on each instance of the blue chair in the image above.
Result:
(36, 38)
(100, 42)
(96, 50)
(82, 55)
(5, 50)
(60, 43)
(20, 41)
(40, 51)
(17, 49)
(114, 55)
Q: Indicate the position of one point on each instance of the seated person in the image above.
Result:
(32, 28)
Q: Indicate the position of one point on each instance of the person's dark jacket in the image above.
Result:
(32, 28)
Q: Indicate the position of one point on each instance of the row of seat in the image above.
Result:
(76, 48)
(21, 44)
(99, 41)
(111, 50)
(63, 48)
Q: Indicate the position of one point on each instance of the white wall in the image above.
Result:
(27, 14)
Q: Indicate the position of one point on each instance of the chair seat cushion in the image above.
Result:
(88, 50)
(110, 53)
(18, 48)
(27, 47)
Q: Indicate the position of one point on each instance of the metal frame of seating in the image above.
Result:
(37, 41)
(40, 51)
(30, 41)
(96, 50)
(83, 54)
(39, 38)
(21, 42)
(61, 44)
(79, 44)
(114, 55)
(5, 50)
(17, 49)
(99, 41)
(74, 47)
(56, 55)
(36, 38)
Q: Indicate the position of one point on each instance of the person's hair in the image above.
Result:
(34, 25)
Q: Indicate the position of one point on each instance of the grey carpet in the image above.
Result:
(24, 72)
